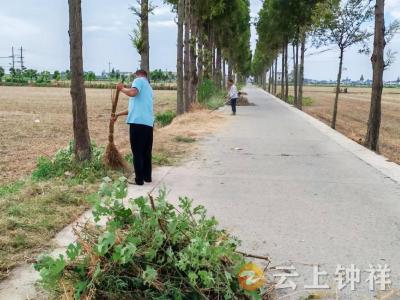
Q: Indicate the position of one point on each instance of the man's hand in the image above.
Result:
(114, 118)
(120, 86)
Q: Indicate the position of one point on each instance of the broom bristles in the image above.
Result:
(113, 159)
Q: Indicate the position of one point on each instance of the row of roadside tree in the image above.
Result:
(213, 36)
(289, 28)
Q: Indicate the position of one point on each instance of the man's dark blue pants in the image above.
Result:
(141, 137)
(233, 104)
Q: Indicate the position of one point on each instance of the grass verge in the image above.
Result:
(307, 101)
(30, 217)
(32, 211)
(11, 188)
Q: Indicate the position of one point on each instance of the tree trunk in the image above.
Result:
(200, 59)
(230, 71)
(295, 73)
(145, 55)
(282, 74)
(270, 79)
(286, 74)
(207, 58)
(218, 76)
(180, 107)
(276, 75)
(264, 80)
(82, 146)
(223, 73)
(193, 59)
(186, 61)
(213, 72)
(378, 66)
(339, 78)
(301, 75)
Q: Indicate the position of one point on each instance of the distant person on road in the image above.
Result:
(233, 95)
(141, 121)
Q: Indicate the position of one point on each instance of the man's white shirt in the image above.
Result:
(233, 92)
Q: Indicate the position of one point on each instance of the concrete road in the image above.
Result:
(290, 187)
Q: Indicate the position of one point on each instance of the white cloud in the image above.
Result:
(162, 11)
(96, 28)
(393, 7)
(166, 23)
(15, 27)
(395, 14)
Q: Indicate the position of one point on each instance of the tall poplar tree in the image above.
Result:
(82, 145)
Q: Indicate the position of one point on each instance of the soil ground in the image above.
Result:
(353, 115)
(37, 122)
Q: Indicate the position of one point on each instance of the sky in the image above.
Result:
(41, 28)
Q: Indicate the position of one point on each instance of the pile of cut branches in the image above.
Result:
(243, 100)
(147, 250)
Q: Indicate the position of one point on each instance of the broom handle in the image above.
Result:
(113, 110)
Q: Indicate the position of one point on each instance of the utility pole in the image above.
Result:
(110, 81)
(13, 57)
(22, 60)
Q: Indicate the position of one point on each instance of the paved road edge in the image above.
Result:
(379, 162)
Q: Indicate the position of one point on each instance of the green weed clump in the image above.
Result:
(209, 95)
(184, 139)
(165, 118)
(148, 250)
(64, 164)
(11, 188)
(159, 159)
(307, 101)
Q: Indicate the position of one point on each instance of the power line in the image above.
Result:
(16, 59)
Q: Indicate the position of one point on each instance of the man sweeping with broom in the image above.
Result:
(140, 120)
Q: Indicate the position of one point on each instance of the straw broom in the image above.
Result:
(112, 158)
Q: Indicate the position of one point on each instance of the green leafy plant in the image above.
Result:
(165, 118)
(206, 90)
(147, 250)
(307, 101)
(64, 163)
(209, 96)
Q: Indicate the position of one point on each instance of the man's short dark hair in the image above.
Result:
(141, 73)
(231, 80)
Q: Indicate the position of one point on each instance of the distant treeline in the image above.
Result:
(162, 80)
(93, 85)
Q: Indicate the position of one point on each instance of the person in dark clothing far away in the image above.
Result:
(233, 95)
(140, 118)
